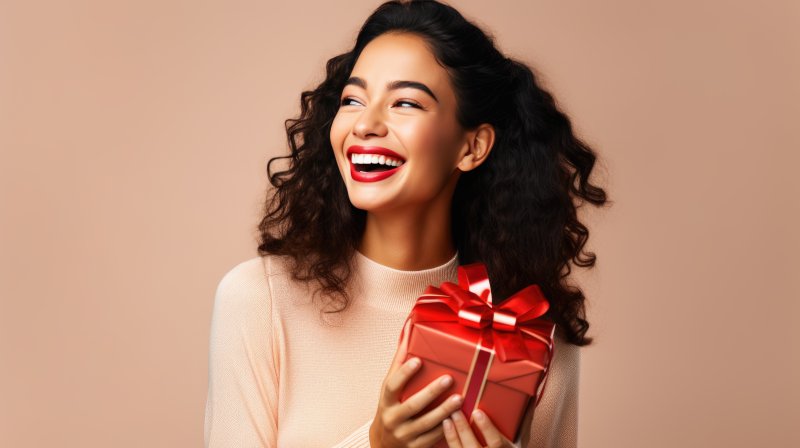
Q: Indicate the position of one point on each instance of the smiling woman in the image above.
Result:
(423, 149)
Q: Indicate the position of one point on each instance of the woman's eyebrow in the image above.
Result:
(392, 85)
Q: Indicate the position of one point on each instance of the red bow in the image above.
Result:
(470, 303)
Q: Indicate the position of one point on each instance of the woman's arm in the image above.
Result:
(242, 403)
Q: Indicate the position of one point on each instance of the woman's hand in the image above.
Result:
(458, 432)
(393, 425)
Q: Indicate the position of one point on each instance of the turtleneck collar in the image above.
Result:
(381, 286)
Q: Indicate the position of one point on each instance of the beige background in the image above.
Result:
(135, 136)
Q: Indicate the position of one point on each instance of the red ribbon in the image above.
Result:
(470, 303)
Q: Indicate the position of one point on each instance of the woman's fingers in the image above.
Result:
(464, 431)
(492, 435)
(417, 402)
(436, 415)
(427, 439)
(399, 378)
(459, 433)
(450, 434)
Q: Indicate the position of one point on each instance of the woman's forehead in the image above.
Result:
(394, 56)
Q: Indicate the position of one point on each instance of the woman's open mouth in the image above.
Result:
(370, 162)
(371, 167)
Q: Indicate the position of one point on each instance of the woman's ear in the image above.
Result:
(477, 147)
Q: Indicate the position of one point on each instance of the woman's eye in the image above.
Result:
(346, 102)
(409, 102)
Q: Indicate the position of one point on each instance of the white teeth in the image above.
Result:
(365, 159)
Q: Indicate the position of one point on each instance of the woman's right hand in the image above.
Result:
(393, 425)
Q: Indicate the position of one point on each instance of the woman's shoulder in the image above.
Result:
(249, 279)
(250, 271)
(254, 271)
(567, 352)
(566, 356)
(244, 283)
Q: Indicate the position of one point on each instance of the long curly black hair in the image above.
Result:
(516, 212)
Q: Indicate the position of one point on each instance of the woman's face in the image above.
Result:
(418, 126)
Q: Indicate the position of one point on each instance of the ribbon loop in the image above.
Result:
(475, 278)
(470, 304)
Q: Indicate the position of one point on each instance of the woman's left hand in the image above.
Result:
(458, 432)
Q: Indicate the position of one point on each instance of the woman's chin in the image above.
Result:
(370, 204)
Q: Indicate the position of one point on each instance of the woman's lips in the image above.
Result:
(373, 176)
(377, 150)
(367, 176)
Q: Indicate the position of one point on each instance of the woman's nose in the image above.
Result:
(370, 122)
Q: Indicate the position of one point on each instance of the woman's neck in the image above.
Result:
(409, 241)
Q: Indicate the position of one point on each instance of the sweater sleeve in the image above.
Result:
(555, 420)
(242, 401)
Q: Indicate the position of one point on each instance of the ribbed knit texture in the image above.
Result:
(281, 375)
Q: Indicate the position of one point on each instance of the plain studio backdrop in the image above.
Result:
(135, 136)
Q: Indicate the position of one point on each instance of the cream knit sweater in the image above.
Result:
(282, 376)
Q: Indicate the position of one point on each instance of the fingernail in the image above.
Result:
(479, 415)
(446, 380)
(455, 399)
(414, 363)
(448, 424)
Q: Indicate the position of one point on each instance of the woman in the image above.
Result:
(424, 148)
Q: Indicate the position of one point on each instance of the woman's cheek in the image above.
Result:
(338, 131)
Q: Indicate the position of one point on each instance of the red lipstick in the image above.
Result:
(364, 176)
(373, 150)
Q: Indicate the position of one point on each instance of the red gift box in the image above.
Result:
(498, 356)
